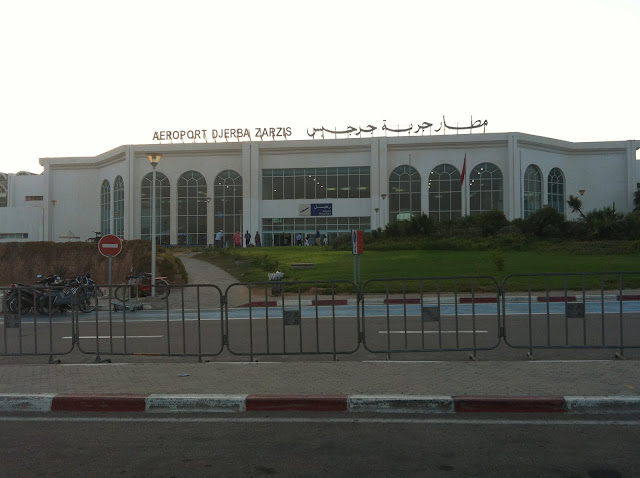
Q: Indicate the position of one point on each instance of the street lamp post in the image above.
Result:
(154, 159)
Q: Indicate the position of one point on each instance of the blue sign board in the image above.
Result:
(322, 209)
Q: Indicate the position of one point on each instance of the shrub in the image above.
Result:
(490, 222)
(604, 223)
(545, 222)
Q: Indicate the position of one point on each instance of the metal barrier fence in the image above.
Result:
(275, 321)
(29, 329)
(187, 322)
(384, 316)
(580, 311)
(431, 314)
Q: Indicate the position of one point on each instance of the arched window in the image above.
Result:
(118, 207)
(404, 193)
(3, 190)
(3, 196)
(105, 208)
(192, 209)
(532, 193)
(445, 193)
(227, 203)
(485, 189)
(162, 209)
(555, 188)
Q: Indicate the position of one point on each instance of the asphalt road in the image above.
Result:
(485, 445)
(262, 331)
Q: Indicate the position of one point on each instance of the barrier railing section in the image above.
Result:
(580, 311)
(293, 318)
(431, 314)
(172, 328)
(34, 321)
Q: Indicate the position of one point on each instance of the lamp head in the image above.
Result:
(581, 191)
(154, 158)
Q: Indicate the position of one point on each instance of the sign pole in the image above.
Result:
(110, 268)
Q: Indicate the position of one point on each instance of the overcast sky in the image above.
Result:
(80, 78)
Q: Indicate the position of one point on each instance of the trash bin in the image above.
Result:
(276, 285)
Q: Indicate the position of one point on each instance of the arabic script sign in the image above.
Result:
(421, 128)
(285, 132)
(323, 209)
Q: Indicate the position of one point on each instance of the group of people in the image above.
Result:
(311, 240)
(301, 240)
(237, 239)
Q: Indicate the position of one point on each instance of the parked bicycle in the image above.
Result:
(139, 285)
(22, 297)
(52, 294)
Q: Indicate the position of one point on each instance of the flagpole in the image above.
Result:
(462, 185)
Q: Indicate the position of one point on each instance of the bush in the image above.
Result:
(604, 223)
(545, 222)
(490, 222)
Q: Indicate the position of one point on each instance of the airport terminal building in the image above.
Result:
(285, 187)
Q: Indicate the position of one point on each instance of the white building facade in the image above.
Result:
(330, 186)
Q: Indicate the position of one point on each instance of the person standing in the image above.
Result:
(299, 239)
(219, 236)
(257, 239)
(237, 239)
(247, 238)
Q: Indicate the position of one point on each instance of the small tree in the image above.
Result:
(575, 204)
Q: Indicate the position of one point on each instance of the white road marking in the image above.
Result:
(416, 421)
(431, 332)
(118, 337)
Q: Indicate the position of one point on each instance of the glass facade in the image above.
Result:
(555, 186)
(162, 209)
(316, 183)
(118, 207)
(445, 193)
(532, 190)
(227, 204)
(404, 193)
(485, 189)
(192, 209)
(282, 231)
(105, 208)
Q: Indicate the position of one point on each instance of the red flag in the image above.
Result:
(464, 170)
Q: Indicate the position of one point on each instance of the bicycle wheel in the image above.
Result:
(23, 307)
(45, 305)
(162, 288)
(123, 293)
(89, 303)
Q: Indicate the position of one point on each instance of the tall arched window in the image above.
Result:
(118, 207)
(162, 210)
(105, 208)
(555, 188)
(485, 189)
(532, 191)
(227, 203)
(3, 190)
(192, 209)
(445, 193)
(404, 193)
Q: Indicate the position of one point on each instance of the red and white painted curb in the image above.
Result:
(316, 403)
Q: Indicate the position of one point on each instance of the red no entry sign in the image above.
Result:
(110, 245)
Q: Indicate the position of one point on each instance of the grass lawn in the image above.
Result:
(252, 265)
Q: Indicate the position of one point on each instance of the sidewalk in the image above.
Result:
(609, 386)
